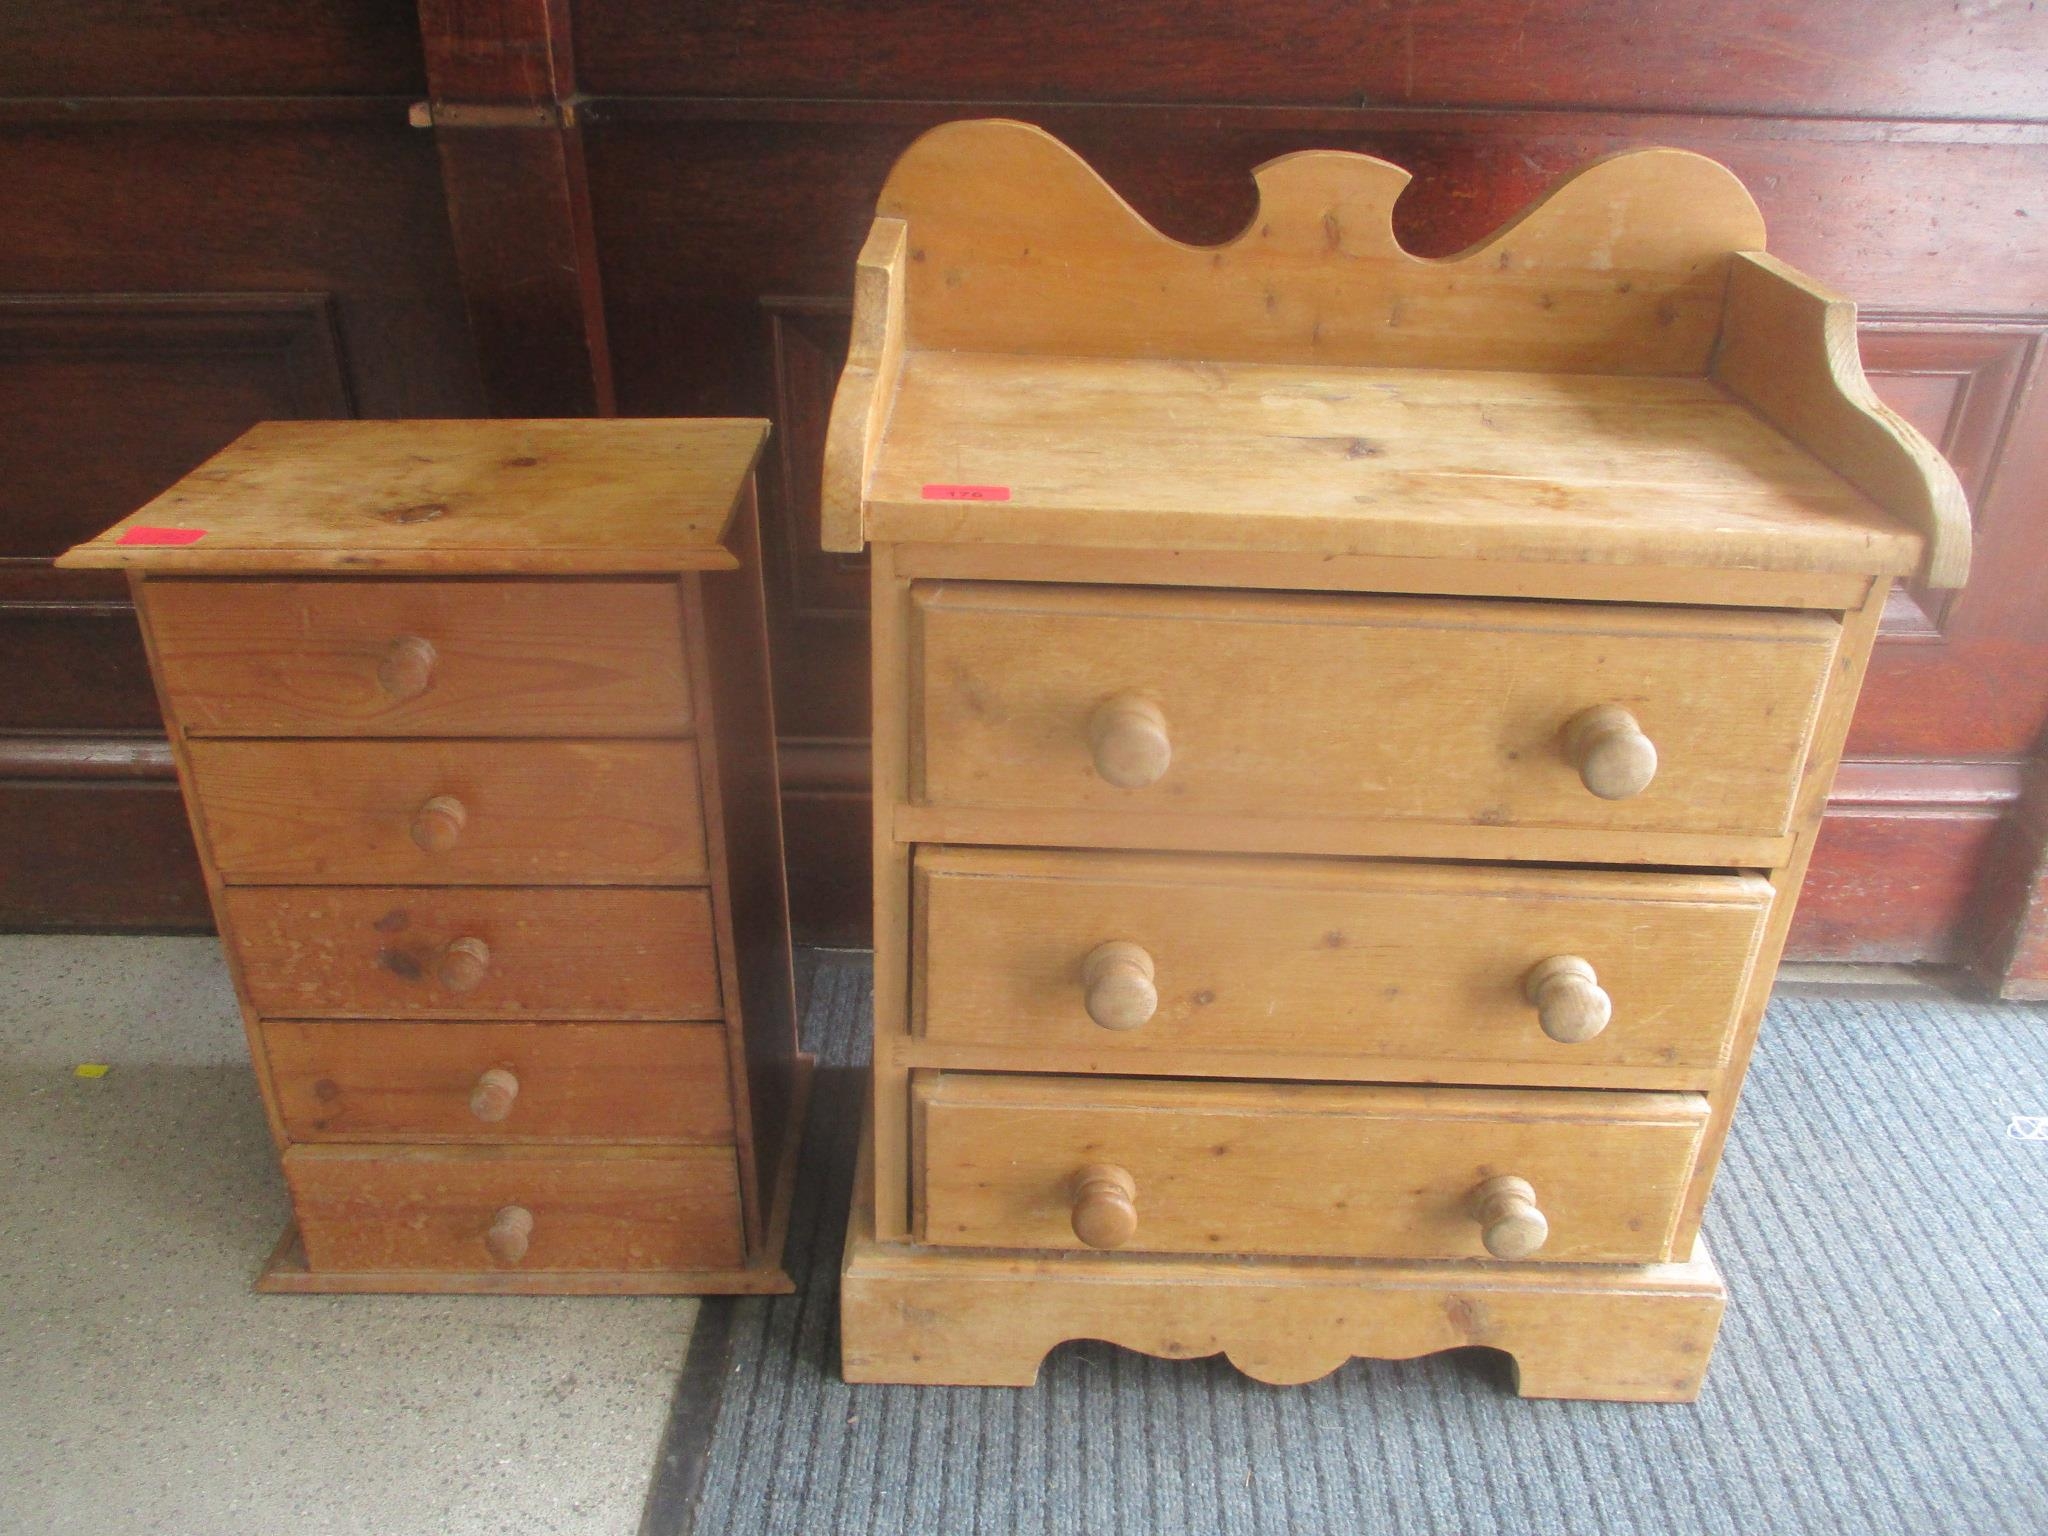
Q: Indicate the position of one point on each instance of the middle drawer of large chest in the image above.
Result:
(1368, 970)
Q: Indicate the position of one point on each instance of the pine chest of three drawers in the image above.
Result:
(1349, 733)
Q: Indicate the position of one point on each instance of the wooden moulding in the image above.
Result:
(989, 1318)
(996, 248)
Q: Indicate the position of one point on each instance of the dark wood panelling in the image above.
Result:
(1884, 57)
(56, 48)
(113, 396)
(2009, 930)
(164, 285)
(1900, 857)
(502, 83)
(721, 173)
(89, 854)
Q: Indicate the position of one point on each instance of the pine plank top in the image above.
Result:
(475, 497)
(1140, 453)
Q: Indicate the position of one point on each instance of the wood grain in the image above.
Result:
(1017, 246)
(1788, 348)
(1283, 1169)
(519, 658)
(1409, 462)
(485, 497)
(381, 1082)
(1259, 959)
(1355, 708)
(373, 952)
(401, 1208)
(345, 812)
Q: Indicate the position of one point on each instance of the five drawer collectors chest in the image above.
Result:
(473, 724)
(1349, 732)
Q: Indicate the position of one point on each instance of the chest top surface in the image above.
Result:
(470, 497)
(1619, 376)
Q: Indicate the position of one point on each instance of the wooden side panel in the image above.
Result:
(414, 1081)
(1366, 964)
(379, 953)
(394, 1208)
(302, 658)
(728, 638)
(1291, 1169)
(513, 813)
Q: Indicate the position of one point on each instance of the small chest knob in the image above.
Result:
(1510, 1225)
(510, 1232)
(1105, 1206)
(1128, 741)
(1117, 978)
(462, 964)
(492, 1098)
(1614, 758)
(406, 669)
(438, 824)
(1570, 1004)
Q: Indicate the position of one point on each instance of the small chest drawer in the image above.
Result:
(1164, 964)
(1277, 1168)
(454, 812)
(351, 1080)
(1167, 704)
(421, 657)
(515, 1209)
(399, 953)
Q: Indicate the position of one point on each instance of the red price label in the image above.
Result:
(967, 493)
(142, 535)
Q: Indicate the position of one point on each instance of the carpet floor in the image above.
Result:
(1882, 1220)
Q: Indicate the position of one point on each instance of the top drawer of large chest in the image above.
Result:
(1232, 719)
(421, 657)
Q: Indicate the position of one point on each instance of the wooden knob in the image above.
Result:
(407, 667)
(1569, 1003)
(437, 824)
(462, 964)
(1118, 979)
(1509, 1223)
(1127, 738)
(491, 1098)
(511, 1229)
(1105, 1206)
(1614, 758)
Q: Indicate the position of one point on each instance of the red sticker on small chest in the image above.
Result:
(141, 535)
(967, 493)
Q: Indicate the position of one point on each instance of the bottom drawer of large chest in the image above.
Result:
(516, 1208)
(1302, 1169)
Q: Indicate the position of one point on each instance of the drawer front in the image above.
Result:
(418, 953)
(1242, 705)
(420, 658)
(1275, 1168)
(1148, 963)
(450, 1209)
(349, 1080)
(453, 812)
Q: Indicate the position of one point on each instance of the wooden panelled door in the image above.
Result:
(539, 207)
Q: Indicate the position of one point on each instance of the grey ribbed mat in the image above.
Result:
(1883, 1366)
